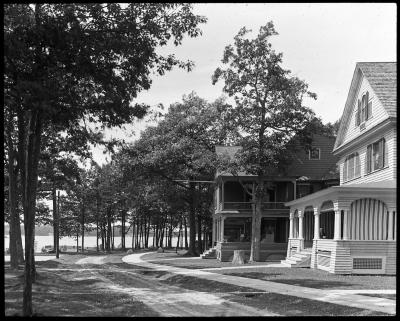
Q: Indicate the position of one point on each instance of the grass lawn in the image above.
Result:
(312, 278)
(281, 304)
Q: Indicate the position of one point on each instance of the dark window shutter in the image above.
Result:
(367, 106)
(380, 155)
(369, 158)
(345, 170)
(357, 165)
(385, 154)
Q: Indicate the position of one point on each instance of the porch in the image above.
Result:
(232, 232)
(349, 229)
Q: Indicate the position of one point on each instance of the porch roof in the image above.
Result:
(385, 190)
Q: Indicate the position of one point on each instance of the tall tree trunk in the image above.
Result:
(123, 230)
(192, 222)
(97, 234)
(83, 226)
(54, 196)
(199, 242)
(186, 234)
(16, 254)
(57, 227)
(77, 241)
(30, 186)
(133, 235)
(113, 236)
(108, 244)
(256, 221)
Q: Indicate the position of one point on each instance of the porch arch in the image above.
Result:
(327, 220)
(308, 226)
(369, 220)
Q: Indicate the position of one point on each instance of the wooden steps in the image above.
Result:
(300, 259)
(209, 254)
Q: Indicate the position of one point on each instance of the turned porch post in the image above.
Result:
(337, 234)
(222, 228)
(345, 224)
(390, 227)
(316, 223)
(291, 225)
(301, 234)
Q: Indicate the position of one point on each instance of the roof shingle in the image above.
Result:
(382, 76)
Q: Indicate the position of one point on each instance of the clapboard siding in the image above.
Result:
(342, 254)
(378, 113)
(388, 173)
(375, 248)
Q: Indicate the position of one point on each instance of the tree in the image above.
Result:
(269, 111)
(180, 149)
(69, 63)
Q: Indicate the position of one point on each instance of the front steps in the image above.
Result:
(209, 254)
(299, 259)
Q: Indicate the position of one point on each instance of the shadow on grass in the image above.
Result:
(294, 306)
(197, 284)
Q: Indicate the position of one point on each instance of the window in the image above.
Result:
(377, 156)
(364, 109)
(314, 153)
(351, 167)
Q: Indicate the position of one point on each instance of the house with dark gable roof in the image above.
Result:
(310, 171)
(354, 224)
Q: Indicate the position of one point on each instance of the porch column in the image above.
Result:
(390, 227)
(223, 196)
(316, 223)
(291, 225)
(301, 234)
(213, 233)
(337, 235)
(301, 215)
(345, 226)
(222, 228)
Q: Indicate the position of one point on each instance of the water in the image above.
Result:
(90, 241)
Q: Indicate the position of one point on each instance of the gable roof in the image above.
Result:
(382, 77)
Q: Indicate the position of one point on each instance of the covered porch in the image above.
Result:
(233, 232)
(349, 229)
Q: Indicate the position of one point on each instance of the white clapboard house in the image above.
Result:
(354, 224)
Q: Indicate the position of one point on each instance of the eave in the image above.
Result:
(365, 137)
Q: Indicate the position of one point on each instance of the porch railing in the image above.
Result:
(247, 206)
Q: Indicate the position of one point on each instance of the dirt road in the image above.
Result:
(164, 299)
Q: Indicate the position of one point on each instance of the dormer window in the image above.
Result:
(364, 110)
(314, 153)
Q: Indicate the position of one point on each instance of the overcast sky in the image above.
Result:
(321, 44)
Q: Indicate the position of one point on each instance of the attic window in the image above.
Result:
(364, 109)
(314, 153)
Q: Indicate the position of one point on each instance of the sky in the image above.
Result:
(321, 44)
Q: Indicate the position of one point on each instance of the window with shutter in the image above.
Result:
(368, 107)
(380, 154)
(363, 109)
(357, 166)
(350, 172)
(345, 170)
(385, 155)
(369, 158)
